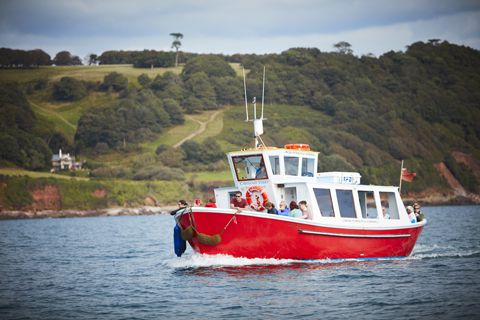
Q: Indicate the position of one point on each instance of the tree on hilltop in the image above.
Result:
(65, 58)
(92, 58)
(176, 44)
(343, 47)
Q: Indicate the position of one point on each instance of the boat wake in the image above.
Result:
(421, 252)
(197, 260)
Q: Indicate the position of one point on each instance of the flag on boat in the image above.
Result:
(407, 175)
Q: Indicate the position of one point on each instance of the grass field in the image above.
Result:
(224, 177)
(172, 135)
(214, 127)
(238, 69)
(35, 174)
(87, 73)
(64, 116)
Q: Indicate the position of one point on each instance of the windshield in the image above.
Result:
(250, 167)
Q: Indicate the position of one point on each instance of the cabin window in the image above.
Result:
(324, 201)
(250, 167)
(308, 167)
(367, 204)
(389, 205)
(345, 204)
(275, 164)
(291, 166)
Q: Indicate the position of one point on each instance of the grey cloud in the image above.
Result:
(206, 24)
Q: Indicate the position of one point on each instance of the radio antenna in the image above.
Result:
(263, 90)
(245, 89)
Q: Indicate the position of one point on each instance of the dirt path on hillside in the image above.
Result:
(53, 113)
(203, 126)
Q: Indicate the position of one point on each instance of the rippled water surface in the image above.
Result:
(125, 268)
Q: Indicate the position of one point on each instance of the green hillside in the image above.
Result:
(362, 113)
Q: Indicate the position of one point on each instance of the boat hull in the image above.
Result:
(266, 236)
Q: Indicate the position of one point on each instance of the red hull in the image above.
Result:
(262, 236)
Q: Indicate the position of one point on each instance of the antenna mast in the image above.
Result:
(245, 89)
(257, 123)
(263, 90)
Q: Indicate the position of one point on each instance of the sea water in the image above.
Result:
(125, 268)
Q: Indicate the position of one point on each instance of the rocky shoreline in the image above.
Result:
(110, 212)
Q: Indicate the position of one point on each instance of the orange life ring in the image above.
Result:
(298, 146)
(256, 191)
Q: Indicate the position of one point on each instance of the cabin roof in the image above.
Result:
(274, 150)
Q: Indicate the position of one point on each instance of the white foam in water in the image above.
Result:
(203, 260)
(197, 260)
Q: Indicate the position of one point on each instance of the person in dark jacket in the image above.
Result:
(271, 208)
(182, 204)
(418, 214)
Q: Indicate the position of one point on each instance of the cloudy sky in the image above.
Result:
(240, 26)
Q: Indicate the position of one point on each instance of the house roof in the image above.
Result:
(65, 157)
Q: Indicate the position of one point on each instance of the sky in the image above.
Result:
(83, 27)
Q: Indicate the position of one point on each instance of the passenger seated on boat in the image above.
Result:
(237, 202)
(211, 203)
(294, 210)
(283, 210)
(418, 213)
(182, 204)
(306, 214)
(411, 214)
(271, 208)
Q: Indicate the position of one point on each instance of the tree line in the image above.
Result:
(14, 58)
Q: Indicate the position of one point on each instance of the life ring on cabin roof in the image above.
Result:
(253, 198)
(298, 146)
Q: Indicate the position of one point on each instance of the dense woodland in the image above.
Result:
(362, 113)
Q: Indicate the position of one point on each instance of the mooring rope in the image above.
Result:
(205, 238)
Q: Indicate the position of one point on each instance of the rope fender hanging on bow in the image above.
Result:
(210, 240)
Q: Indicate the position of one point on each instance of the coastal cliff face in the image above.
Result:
(469, 161)
(46, 198)
(457, 194)
(26, 193)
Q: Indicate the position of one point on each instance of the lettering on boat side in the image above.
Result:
(370, 220)
(252, 183)
(349, 235)
(353, 220)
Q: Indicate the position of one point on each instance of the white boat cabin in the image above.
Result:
(290, 173)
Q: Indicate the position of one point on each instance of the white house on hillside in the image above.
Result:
(62, 161)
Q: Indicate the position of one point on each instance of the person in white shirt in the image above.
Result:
(411, 214)
(306, 214)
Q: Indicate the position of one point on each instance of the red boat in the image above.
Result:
(346, 219)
